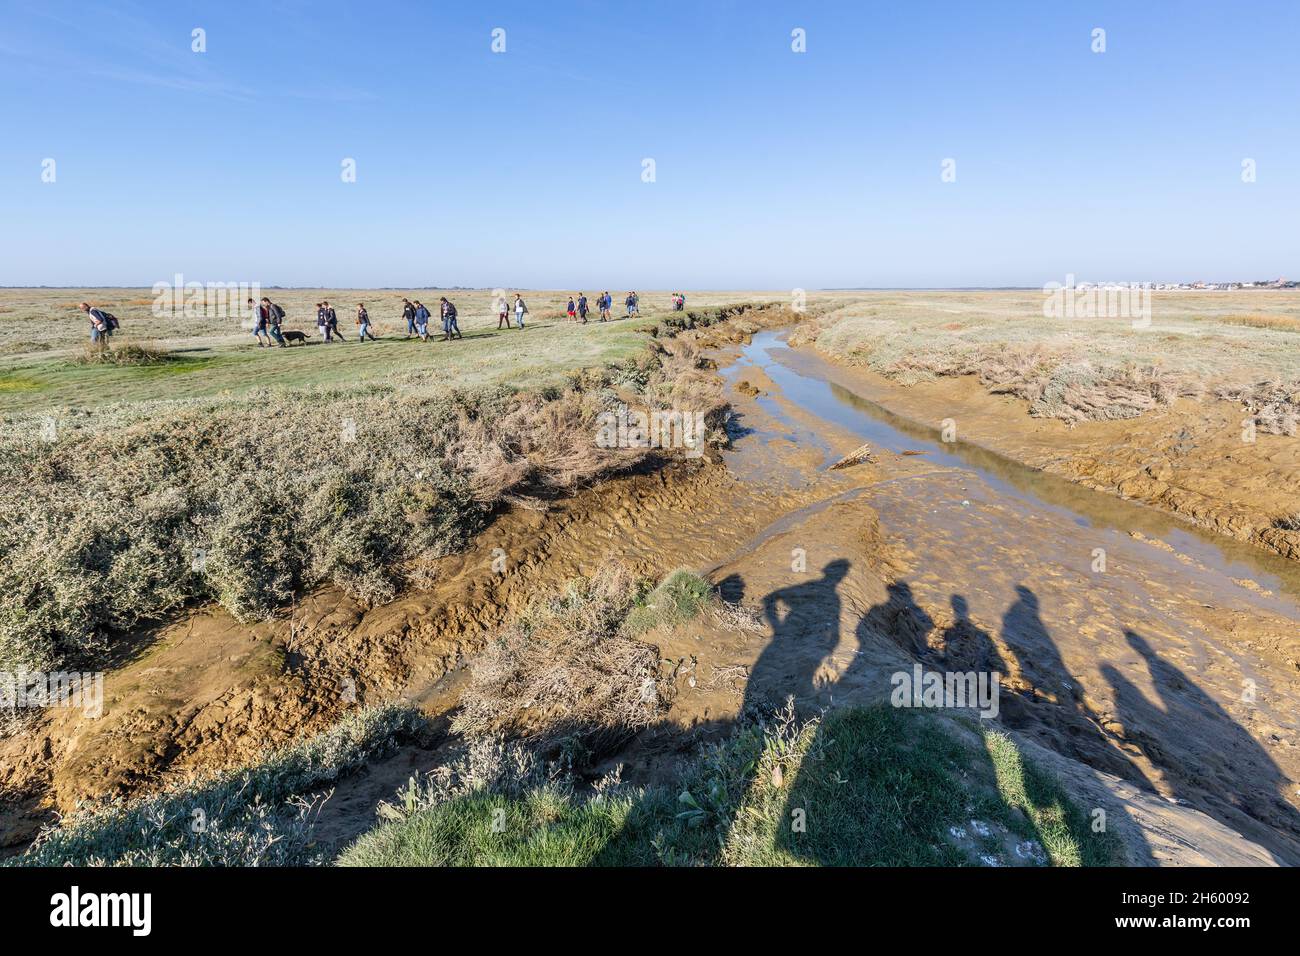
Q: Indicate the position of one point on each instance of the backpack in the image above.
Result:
(110, 320)
(277, 313)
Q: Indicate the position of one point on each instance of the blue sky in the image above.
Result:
(773, 169)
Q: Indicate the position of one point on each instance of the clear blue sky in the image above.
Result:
(773, 169)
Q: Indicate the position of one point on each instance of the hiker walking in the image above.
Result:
(628, 302)
(363, 324)
(322, 323)
(265, 323)
(274, 316)
(408, 314)
(571, 311)
(503, 312)
(102, 324)
(332, 322)
(520, 310)
(582, 307)
(449, 320)
(605, 303)
(421, 321)
(261, 322)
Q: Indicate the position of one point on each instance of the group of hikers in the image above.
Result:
(268, 317)
(580, 309)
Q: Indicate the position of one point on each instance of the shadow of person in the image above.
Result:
(967, 646)
(1053, 710)
(805, 623)
(1208, 759)
(899, 619)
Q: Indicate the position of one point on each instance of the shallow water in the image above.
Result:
(807, 382)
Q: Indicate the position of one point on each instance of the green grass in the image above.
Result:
(41, 331)
(863, 787)
(538, 356)
(9, 384)
(678, 598)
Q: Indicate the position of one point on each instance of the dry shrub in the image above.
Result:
(1079, 391)
(565, 675)
(1274, 405)
(94, 353)
(1054, 386)
(135, 510)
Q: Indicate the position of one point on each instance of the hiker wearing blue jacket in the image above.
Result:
(408, 314)
(582, 307)
(421, 321)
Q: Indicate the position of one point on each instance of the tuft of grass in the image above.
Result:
(121, 356)
(678, 598)
(257, 815)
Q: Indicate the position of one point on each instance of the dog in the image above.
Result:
(293, 335)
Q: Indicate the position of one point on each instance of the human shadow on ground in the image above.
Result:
(805, 625)
(1207, 759)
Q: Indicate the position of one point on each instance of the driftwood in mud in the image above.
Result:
(858, 456)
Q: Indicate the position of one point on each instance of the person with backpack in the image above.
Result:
(363, 324)
(266, 322)
(606, 303)
(421, 321)
(582, 307)
(332, 322)
(102, 324)
(520, 310)
(449, 321)
(274, 316)
(408, 315)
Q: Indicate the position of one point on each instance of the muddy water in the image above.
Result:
(807, 382)
(1172, 667)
